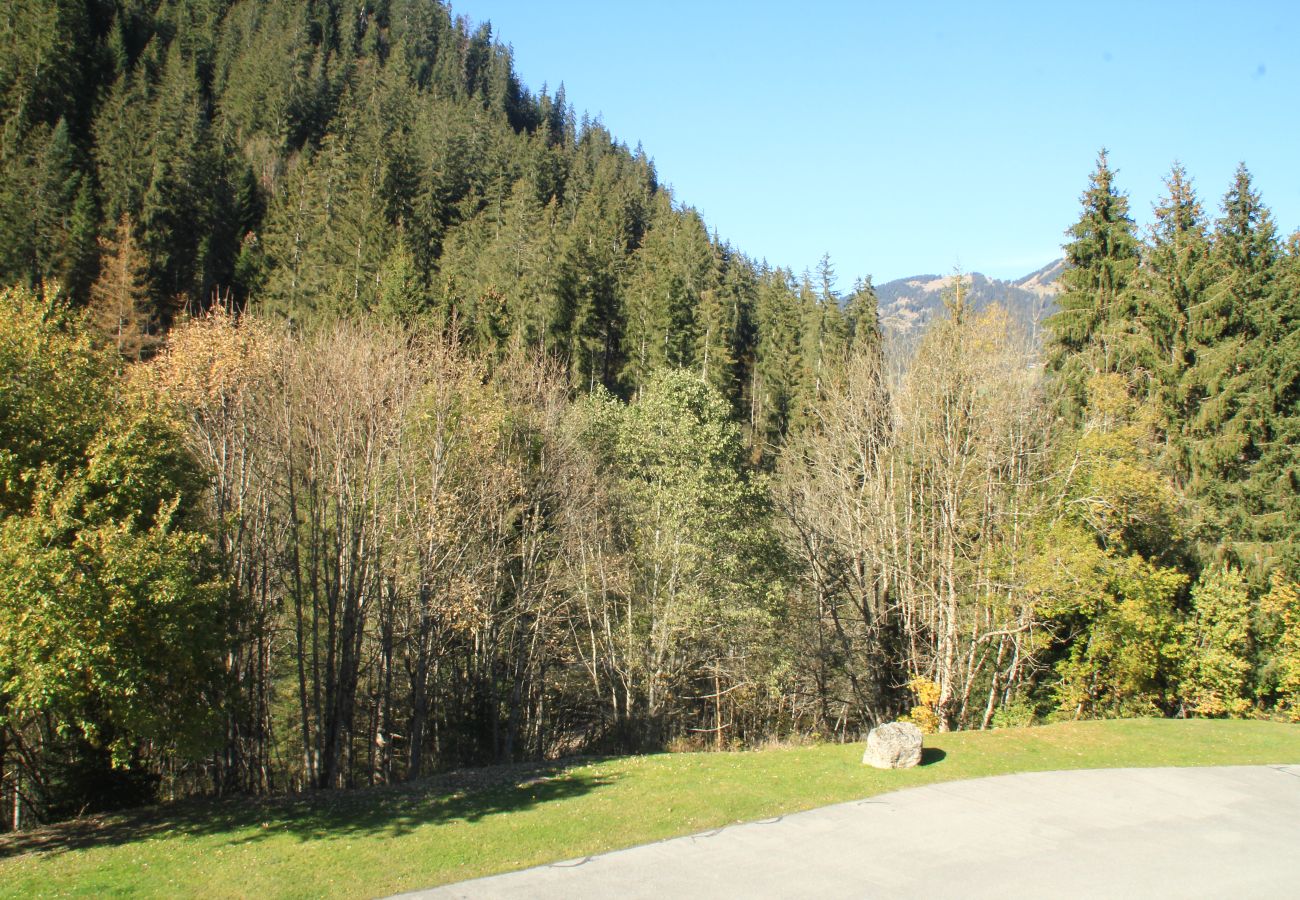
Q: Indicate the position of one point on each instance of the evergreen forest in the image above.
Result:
(366, 413)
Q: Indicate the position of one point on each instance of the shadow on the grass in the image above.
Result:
(393, 810)
(931, 755)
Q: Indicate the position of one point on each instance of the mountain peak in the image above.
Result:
(907, 304)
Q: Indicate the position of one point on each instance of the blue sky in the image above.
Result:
(905, 138)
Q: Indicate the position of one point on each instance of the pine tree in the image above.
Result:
(47, 210)
(780, 376)
(1174, 280)
(825, 331)
(1102, 259)
(717, 320)
(1232, 407)
(43, 47)
(400, 294)
(123, 157)
(862, 317)
(652, 295)
(609, 222)
(1273, 483)
(668, 286)
(119, 298)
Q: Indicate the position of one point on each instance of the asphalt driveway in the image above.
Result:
(1213, 832)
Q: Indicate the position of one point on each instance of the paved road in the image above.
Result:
(1223, 832)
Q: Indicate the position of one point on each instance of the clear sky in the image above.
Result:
(907, 138)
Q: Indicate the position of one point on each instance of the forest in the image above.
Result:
(365, 414)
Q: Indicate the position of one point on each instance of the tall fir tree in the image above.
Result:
(825, 331)
(1095, 294)
(780, 376)
(862, 317)
(1174, 280)
(1225, 385)
(718, 320)
(119, 309)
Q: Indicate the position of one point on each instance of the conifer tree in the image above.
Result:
(400, 294)
(718, 320)
(654, 297)
(780, 376)
(1273, 483)
(123, 159)
(1225, 387)
(1101, 259)
(47, 212)
(610, 220)
(667, 289)
(862, 316)
(825, 333)
(1174, 280)
(119, 298)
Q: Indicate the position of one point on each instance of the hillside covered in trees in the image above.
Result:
(329, 159)
(366, 413)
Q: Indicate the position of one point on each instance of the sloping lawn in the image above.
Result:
(381, 841)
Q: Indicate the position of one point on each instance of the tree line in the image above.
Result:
(367, 415)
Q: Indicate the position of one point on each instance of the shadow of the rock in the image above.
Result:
(931, 755)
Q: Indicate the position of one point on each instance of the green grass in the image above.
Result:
(381, 841)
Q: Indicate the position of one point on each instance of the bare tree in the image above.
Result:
(911, 510)
(221, 369)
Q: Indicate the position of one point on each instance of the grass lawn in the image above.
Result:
(384, 840)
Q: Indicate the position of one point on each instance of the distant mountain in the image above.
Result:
(907, 304)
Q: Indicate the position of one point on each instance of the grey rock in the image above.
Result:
(893, 746)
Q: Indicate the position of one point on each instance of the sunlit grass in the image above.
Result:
(382, 841)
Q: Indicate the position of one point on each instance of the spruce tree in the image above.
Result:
(1174, 280)
(825, 332)
(119, 299)
(1101, 259)
(1273, 483)
(716, 322)
(780, 376)
(862, 317)
(1226, 385)
(657, 306)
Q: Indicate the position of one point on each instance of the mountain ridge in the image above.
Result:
(907, 304)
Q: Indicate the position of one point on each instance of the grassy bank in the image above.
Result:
(381, 841)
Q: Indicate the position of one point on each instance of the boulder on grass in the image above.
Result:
(893, 746)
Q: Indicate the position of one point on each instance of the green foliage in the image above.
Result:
(1185, 458)
(781, 378)
(1228, 385)
(1095, 303)
(1124, 661)
(278, 153)
(111, 614)
(1017, 714)
(1280, 609)
(670, 277)
(702, 577)
(1217, 645)
(1123, 494)
(1120, 608)
(1174, 279)
(323, 161)
(1273, 485)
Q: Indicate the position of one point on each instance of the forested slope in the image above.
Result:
(366, 413)
(338, 158)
